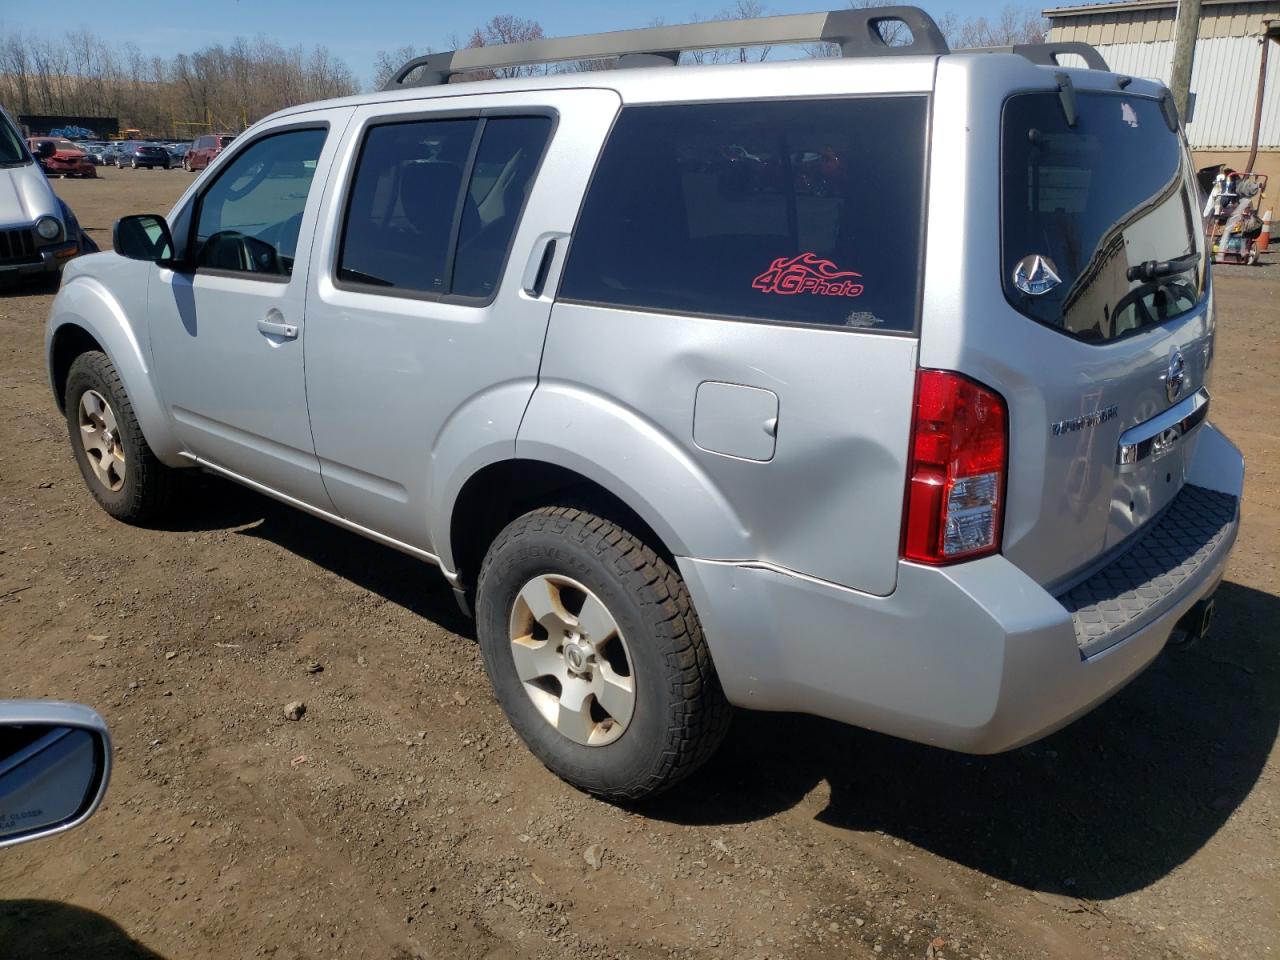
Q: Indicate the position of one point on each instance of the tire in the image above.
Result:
(678, 714)
(134, 164)
(186, 165)
(145, 490)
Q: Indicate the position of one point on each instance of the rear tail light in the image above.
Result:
(956, 474)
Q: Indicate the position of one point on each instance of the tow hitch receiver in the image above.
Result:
(1194, 624)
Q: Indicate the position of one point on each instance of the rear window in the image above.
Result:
(785, 211)
(434, 204)
(1100, 237)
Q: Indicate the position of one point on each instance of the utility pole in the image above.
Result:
(1184, 50)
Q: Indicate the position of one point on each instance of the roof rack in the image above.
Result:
(857, 32)
(1047, 54)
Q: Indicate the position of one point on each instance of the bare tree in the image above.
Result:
(741, 10)
(388, 62)
(1013, 25)
(503, 29)
(222, 86)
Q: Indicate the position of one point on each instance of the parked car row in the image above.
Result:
(78, 158)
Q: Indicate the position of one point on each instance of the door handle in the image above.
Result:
(273, 325)
(539, 265)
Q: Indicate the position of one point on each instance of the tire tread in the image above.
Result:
(700, 715)
(151, 489)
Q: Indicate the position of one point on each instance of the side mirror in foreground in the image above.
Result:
(55, 760)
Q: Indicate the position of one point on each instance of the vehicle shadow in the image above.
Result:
(413, 584)
(28, 289)
(1107, 806)
(48, 930)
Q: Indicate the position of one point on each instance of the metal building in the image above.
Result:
(1136, 37)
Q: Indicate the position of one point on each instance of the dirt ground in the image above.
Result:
(401, 819)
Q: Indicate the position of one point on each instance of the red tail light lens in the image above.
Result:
(956, 475)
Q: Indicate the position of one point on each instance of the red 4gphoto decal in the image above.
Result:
(808, 273)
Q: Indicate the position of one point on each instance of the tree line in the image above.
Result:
(222, 87)
(225, 87)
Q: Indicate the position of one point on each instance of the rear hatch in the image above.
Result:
(1102, 335)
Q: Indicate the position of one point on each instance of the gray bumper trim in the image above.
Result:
(1137, 586)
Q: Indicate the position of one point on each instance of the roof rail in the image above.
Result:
(856, 31)
(1047, 54)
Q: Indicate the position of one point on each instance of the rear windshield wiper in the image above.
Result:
(1152, 269)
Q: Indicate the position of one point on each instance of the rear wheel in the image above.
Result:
(118, 467)
(596, 654)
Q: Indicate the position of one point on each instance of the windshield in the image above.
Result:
(1100, 237)
(12, 149)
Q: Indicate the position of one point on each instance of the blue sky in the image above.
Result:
(357, 29)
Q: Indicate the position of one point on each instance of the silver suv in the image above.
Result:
(870, 387)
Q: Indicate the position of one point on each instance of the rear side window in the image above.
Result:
(1100, 233)
(786, 211)
(434, 204)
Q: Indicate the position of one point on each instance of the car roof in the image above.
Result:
(830, 76)
(641, 84)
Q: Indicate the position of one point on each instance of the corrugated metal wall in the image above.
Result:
(1224, 79)
(1138, 40)
(1108, 25)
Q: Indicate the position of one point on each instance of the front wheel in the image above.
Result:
(596, 654)
(118, 466)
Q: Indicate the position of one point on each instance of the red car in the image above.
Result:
(205, 149)
(65, 160)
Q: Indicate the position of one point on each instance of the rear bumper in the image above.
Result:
(82, 169)
(977, 657)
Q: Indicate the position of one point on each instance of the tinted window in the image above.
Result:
(410, 223)
(403, 204)
(1085, 207)
(248, 220)
(509, 151)
(11, 149)
(792, 211)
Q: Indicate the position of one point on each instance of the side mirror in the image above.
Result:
(55, 760)
(143, 236)
(46, 149)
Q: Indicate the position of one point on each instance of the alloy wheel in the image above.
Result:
(573, 660)
(100, 436)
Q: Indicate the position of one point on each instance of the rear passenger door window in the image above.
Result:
(248, 220)
(795, 211)
(433, 205)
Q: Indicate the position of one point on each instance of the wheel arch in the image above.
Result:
(86, 317)
(501, 491)
(577, 442)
